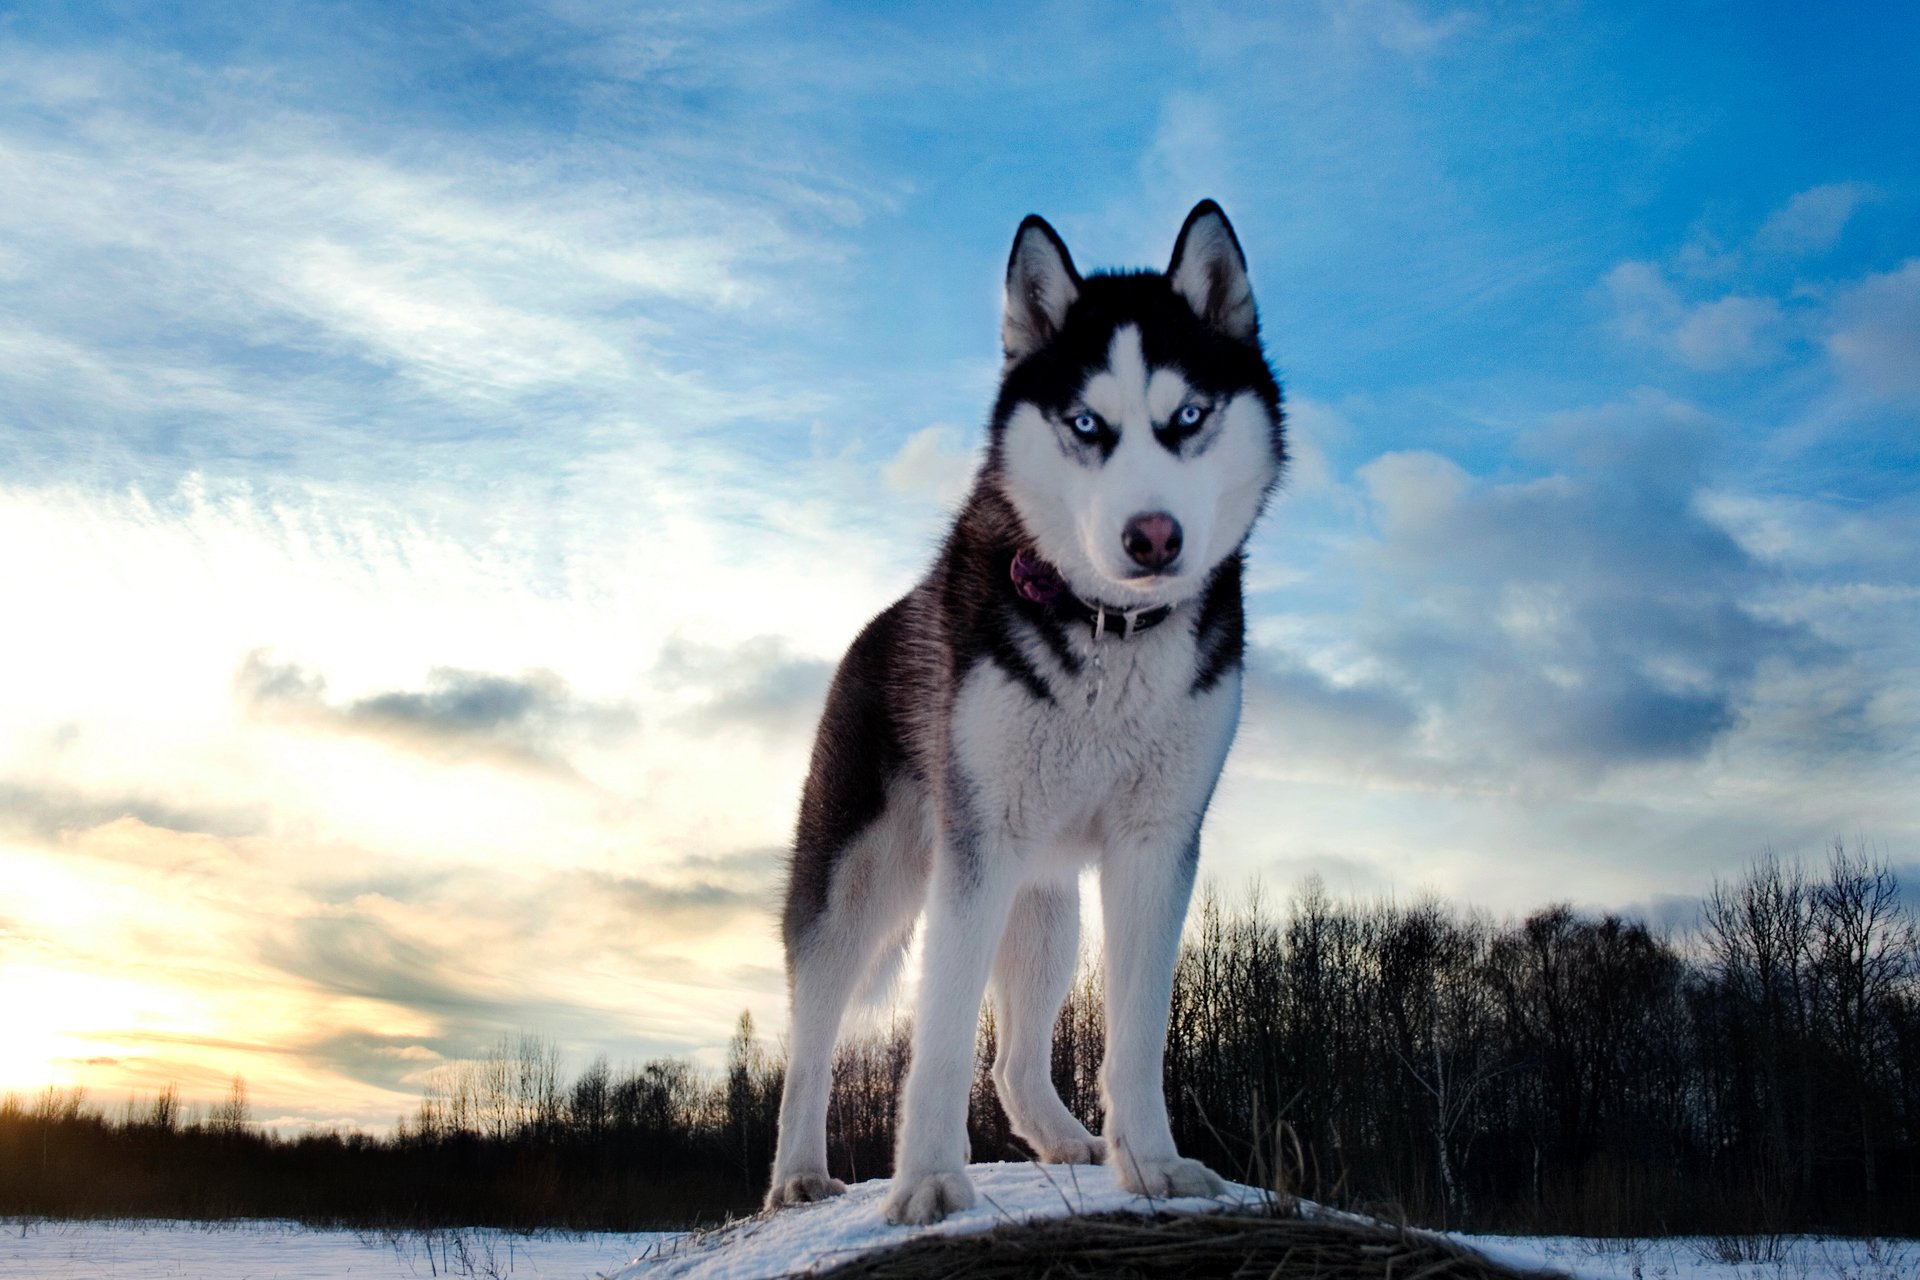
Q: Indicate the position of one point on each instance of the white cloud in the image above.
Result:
(760, 685)
(1311, 427)
(1570, 625)
(1646, 306)
(1412, 489)
(1412, 30)
(1600, 678)
(1876, 332)
(1189, 156)
(446, 330)
(1811, 222)
(934, 464)
(145, 608)
(1737, 330)
(596, 895)
(202, 275)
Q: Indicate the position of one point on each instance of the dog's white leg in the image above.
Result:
(878, 888)
(1030, 978)
(823, 982)
(1144, 888)
(966, 915)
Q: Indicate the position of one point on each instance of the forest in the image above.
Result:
(1569, 1072)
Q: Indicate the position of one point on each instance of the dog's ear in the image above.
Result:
(1210, 272)
(1041, 285)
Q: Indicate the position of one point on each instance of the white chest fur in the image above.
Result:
(1065, 777)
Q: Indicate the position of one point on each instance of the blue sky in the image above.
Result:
(445, 451)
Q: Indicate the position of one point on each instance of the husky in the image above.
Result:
(1059, 691)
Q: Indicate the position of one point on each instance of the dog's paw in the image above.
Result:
(1168, 1179)
(803, 1188)
(916, 1201)
(1084, 1150)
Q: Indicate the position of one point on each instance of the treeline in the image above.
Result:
(500, 1140)
(1564, 1073)
(1569, 1073)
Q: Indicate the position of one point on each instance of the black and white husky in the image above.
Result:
(1059, 691)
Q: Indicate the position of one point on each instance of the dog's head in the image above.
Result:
(1138, 429)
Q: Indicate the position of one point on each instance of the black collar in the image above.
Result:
(1036, 580)
(1125, 623)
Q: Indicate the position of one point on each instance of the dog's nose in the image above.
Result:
(1152, 539)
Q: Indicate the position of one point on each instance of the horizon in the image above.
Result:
(1677, 922)
(443, 455)
(872, 1023)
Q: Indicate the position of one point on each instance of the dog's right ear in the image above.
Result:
(1041, 285)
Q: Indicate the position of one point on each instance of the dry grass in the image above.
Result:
(1239, 1245)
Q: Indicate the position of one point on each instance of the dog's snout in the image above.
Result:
(1152, 539)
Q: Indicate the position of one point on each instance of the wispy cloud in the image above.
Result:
(760, 684)
(1734, 330)
(1591, 618)
(45, 812)
(1876, 333)
(201, 251)
(1811, 221)
(936, 463)
(458, 714)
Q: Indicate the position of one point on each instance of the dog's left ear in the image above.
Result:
(1210, 272)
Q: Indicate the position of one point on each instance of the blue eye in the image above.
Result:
(1085, 425)
(1190, 415)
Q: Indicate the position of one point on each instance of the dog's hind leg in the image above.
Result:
(1030, 978)
(878, 883)
(823, 980)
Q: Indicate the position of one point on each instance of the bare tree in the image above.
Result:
(1863, 947)
(1759, 933)
(231, 1116)
(590, 1101)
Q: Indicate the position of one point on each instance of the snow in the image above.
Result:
(814, 1237)
(257, 1250)
(1708, 1257)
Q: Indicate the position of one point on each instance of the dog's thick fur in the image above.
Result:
(1061, 689)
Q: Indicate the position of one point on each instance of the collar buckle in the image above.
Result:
(1129, 621)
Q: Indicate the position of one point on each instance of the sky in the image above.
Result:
(445, 448)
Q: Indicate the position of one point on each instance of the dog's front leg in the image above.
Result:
(967, 908)
(1144, 887)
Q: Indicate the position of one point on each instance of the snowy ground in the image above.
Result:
(266, 1250)
(819, 1236)
(815, 1236)
(1709, 1258)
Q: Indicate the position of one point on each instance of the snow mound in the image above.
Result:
(813, 1237)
